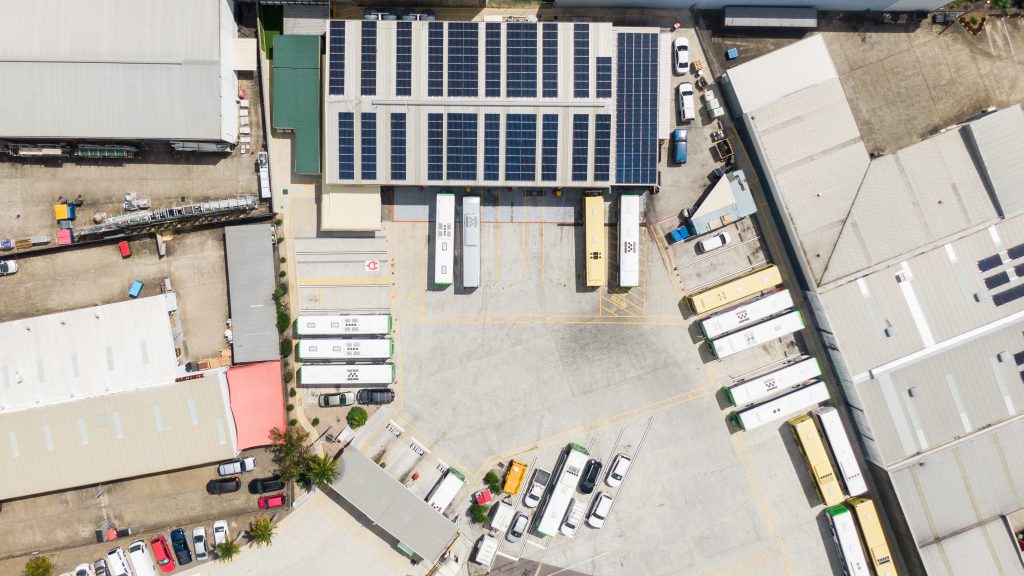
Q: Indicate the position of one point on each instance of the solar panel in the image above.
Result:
(604, 77)
(581, 60)
(986, 264)
(435, 146)
(1008, 296)
(521, 67)
(368, 84)
(549, 148)
(602, 146)
(1016, 252)
(997, 280)
(636, 102)
(336, 59)
(492, 146)
(435, 59)
(520, 147)
(463, 58)
(368, 145)
(580, 146)
(346, 146)
(549, 57)
(492, 75)
(462, 146)
(398, 146)
(403, 60)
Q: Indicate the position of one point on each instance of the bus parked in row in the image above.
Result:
(818, 465)
(444, 239)
(756, 335)
(596, 242)
(366, 349)
(735, 290)
(355, 375)
(629, 240)
(877, 546)
(760, 387)
(343, 325)
(842, 451)
(561, 488)
(781, 407)
(470, 241)
(442, 494)
(733, 319)
(844, 532)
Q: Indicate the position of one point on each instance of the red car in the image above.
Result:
(274, 501)
(125, 250)
(162, 553)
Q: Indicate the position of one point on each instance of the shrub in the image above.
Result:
(292, 392)
(283, 321)
(293, 422)
(356, 417)
(315, 422)
(288, 377)
(283, 260)
(282, 273)
(286, 347)
(38, 566)
(493, 482)
(280, 239)
(279, 221)
(478, 513)
(291, 406)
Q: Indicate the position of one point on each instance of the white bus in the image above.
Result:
(344, 325)
(782, 407)
(746, 314)
(442, 494)
(471, 242)
(847, 538)
(846, 460)
(345, 349)
(346, 374)
(561, 488)
(444, 239)
(629, 240)
(760, 387)
(756, 335)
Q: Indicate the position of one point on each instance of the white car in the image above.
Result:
(8, 267)
(117, 563)
(617, 471)
(84, 570)
(687, 112)
(715, 242)
(220, 532)
(237, 466)
(681, 51)
(599, 511)
(199, 542)
(335, 400)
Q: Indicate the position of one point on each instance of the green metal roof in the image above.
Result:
(296, 96)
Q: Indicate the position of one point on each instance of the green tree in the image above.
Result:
(356, 417)
(1002, 4)
(227, 551)
(261, 531)
(478, 513)
(321, 470)
(493, 482)
(288, 452)
(38, 566)
(286, 347)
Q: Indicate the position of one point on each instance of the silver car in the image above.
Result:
(518, 527)
(237, 466)
(199, 542)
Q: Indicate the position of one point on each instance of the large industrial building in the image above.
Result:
(109, 70)
(493, 103)
(912, 263)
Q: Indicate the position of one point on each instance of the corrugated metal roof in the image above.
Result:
(115, 436)
(778, 74)
(296, 97)
(116, 69)
(997, 138)
(770, 16)
(985, 549)
(250, 263)
(392, 507)
(350, 209)
(730, 199)
(88, 352)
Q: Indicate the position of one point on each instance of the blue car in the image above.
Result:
(180, 545)
(679, 145)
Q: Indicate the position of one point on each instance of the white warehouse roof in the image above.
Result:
(118, 69)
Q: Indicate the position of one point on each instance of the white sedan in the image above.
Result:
(220, 532)
(681, 51)
(237, 466)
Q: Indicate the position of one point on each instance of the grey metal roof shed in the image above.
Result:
(250, 258)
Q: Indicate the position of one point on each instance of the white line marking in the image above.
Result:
(509, 556)
(535, 545)
(1002, 24)
(995, 236)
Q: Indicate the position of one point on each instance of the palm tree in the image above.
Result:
(261, 531)
(226, 552)
(321, 470)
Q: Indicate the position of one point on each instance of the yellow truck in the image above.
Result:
(514, 477)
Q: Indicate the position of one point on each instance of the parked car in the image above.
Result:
(679, 145)
(340, 399)
(162, 553)
(599, 510)
(100, 567)
(84, 570)
(199, 542)
(591, 473)
(686, 110)
(262, 485)
(577, 508)
(617, 471)
(518, 527)
(180, 544)
(117, 562)
(141, 561)
(375, 396)
(223, 485)
(237, 466)
(275, 501)
(714, 242)
(681, 51)
(220, 532)
(537, 487)
(8, 267)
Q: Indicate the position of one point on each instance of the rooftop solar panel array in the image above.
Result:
(521, 66)
(368, 84)
(549, 148)
(336, 59)
(462, 146)
(604, 77)
(398, 140)
(403, 60)
(368, 145)
(492, 54)
(549, 58)
(580, 146)
(346, 146)
(520, 147)
(602, 146)
(636, 126)
(463, 58)
(492, 146)
(435, 59)
(581, 61)
(435, 146)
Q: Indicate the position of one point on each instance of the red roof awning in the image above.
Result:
(257, 402)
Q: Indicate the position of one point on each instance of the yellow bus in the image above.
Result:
(809, 441)
(593, 227)
(514, 477)
(735, 290)
(874, 539)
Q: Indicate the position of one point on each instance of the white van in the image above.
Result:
(485, 549)
(617, 471)
(141, 560)
(502, 517)
(687, 112)
(117, 563)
